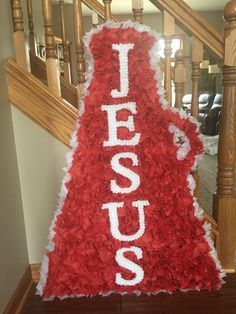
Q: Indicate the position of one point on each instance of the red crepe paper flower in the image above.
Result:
(176, 251)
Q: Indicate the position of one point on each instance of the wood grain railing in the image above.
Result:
(35, 99)
(194, 24)
(98, 8)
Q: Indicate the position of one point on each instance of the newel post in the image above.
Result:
(180, 78)
(225, 199)
(19, 34)
(137, 8)
(79, 46)
(53, 77)
(66, 58)
(32, 43)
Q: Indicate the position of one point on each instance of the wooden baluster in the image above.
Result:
(197, 53)
(66, 60)
(94, 18)
(180, 78)
(107, 5)
(19, 35)
(32, 42)
(224, 206)
(169, 31)
(79, 46)
(137, 7)
(53, 77)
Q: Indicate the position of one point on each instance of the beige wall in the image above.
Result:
(13, 250)
(40, 160)
(37, 17)
(215, 18)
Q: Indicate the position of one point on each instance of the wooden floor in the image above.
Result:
(220, 302)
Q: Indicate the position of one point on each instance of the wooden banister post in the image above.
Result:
(79, 46)
(66, 60)
(197, 53)
(32, 43)
(169, 31)
(19, 35)
(180, 78)
(53, 78)
(224, 205)
(107, 5)
(137, 7)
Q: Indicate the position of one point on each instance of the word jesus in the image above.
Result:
(113, 140)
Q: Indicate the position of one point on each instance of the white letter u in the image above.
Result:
(114, 221)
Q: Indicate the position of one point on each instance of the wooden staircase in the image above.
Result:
(51, 100)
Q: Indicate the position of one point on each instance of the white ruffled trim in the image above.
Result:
(183, 149)
(154, 62)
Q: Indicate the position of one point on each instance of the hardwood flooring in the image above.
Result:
(220, 302)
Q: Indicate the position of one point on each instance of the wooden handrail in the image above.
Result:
(68, 90)
(98, 8)
(35, 99)
(194, 24)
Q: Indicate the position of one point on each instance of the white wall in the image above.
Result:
(13, 256)
(40, 160)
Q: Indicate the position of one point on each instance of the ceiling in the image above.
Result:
(125, 6)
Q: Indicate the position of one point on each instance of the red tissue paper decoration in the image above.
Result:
(127, 220)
